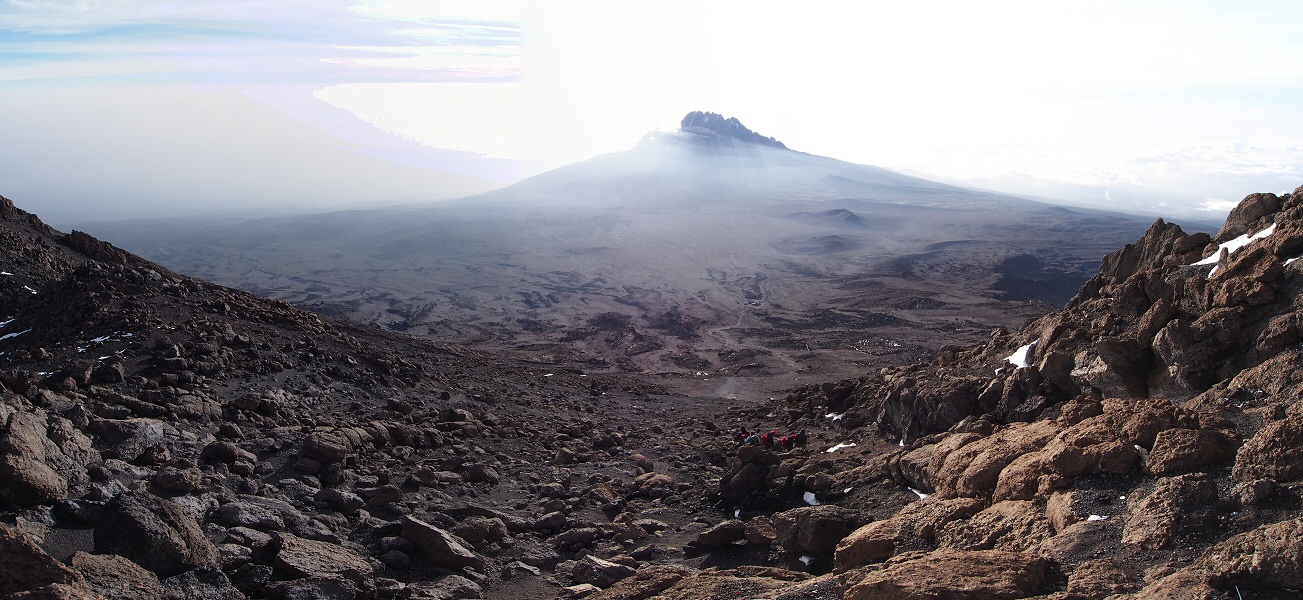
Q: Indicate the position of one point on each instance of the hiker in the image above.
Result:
(788, 441)
(742, 437)
(801, 438)
(767, 440)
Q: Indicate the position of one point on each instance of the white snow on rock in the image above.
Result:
(840, 446)
(921, 495)
(1234, 245)
(6, 274)
(810, 499)
(1096, 518)
(13, 335)
(28, 288)
(5, 323)
(806, 559)
(834, 416)
(1019, 357)
(1291, 260)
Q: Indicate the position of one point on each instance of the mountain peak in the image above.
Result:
(713, 127)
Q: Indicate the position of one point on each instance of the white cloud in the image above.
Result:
(1217, 205)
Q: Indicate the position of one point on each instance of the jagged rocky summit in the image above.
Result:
(713, 129)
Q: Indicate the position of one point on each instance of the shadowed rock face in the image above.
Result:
(245, 447)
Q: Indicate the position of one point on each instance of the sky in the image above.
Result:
(128, 108)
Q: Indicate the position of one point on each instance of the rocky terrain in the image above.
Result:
(163, 437)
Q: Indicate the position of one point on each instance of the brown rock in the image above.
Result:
(1099, 579)
(117, 578)
(26, 482)
(871, 543)
(972, 470)
(299, 558)
(722, 534)
(1059, 512)
(928, 517)
(815, 529)
(1176, 505)
(1186, 584)
(1078, 542)
(599, 572)
(1271, 555)
(156, 534)
(56, 591)
(952, 575)
(24, 566)
(720, 585)
(440, 547)
(646, 583)
(1179, 450)
(760, 531)
(1013, 525)
(1273, 452)
(326, 447)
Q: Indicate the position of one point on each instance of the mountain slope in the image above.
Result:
(718, 265)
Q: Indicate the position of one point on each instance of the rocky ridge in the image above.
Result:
(163, 437)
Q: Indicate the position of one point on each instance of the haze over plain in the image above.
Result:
(129, 109)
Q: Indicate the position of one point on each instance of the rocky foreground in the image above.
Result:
(167, 438)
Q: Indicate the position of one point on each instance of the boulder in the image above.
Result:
(156, 534)
(451, 587)
(1099, 578)
(326, 446)
(128, 439)
(27, 482)
(871, 543)
(647, 582)
(203, 583)
(1269, 556)
(815, 529)
(316, 588)
(601, 573)
(1177, 505)
(24, 566)
(1179, 450)
(760, 531)
(299, 558)
(722, 534)
(117, 578)
(952, 575)
(1273, 452)
(1012, 525)
(926, 518)
(439, 547)
(967, 465)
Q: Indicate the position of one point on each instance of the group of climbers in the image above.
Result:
(772, 440)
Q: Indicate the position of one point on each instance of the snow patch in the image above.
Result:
(834, 416)
(6, 274)
(810, 499)
(1234, 245)
(13, 335)
(4, 323)
(1291, 260)
(1096, 518)
(902, 442)
(1019, 357)
(29, 288)
(806, 559)
(921, 495)
(737, 514)
(840, 446)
